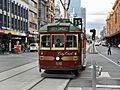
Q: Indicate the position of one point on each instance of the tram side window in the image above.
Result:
(57, 41)
(71, 41)
(45, 41)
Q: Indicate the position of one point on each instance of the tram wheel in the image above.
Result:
(39, 70)
(83, 68)
(76, 72)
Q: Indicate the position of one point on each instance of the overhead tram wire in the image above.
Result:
(66, 9)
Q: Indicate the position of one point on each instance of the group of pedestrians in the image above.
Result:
(4, 48)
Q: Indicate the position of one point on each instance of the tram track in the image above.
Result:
(39, 84)
(16, 71)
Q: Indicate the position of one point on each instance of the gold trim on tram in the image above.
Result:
(64, 58)
(51, 58)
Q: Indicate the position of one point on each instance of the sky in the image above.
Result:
(96, 13)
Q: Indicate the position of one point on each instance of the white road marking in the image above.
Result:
(74, 88)
(104, 75)
(109, 59)
(108, 86)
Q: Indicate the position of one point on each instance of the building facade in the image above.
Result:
(76, 5)
(113, 24)
(13, 21)
(42, 13)
(50, 11)
(83, 16)
(59, 10)
(33, 20)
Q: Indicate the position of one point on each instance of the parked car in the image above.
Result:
(33, 47)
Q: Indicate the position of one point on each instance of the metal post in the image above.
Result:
(9, 46)
(94, 77)
(93, 45)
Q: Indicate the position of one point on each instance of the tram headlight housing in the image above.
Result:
(57, 58)
(75, 53)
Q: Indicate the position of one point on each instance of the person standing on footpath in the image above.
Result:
(109, 49)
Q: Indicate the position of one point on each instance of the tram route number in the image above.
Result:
(58, 63)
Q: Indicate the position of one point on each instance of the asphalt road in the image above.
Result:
(10, 61)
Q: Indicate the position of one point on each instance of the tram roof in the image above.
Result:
(72, 28)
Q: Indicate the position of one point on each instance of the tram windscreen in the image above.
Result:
(57, 41)
(45, 41)
(71, 41)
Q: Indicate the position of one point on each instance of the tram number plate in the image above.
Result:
(58, 63)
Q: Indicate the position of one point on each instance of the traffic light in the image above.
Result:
(93, 33)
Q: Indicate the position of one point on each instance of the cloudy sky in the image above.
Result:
(97, 11)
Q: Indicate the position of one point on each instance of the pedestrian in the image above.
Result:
(0, 48)
(109, 49)
(3, 49)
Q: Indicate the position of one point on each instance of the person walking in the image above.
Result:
(109, 49)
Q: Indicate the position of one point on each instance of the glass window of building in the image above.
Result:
(33, 25)
(33, 3)
(1, 4)
(43, 7)
(33, 14)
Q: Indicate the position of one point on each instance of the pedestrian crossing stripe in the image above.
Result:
(74, 88)
(104, 75)
(108, 86)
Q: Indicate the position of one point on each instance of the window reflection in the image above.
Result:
(71, 41)
(45, 41)
(57, 41)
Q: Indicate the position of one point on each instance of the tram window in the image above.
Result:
(45, 41)
(57, 41)
(71, 41)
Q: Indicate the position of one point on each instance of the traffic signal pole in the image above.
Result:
(93, 51)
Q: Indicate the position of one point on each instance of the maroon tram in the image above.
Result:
(61, 48)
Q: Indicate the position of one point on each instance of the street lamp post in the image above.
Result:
(9, 39)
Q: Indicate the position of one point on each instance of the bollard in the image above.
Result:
(94, 77)
(99, 70)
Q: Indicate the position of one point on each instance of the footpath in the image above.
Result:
(104, 81)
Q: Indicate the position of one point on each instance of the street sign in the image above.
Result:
(77, 21)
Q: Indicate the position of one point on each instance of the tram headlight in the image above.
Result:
(57, 58)
(75, 53)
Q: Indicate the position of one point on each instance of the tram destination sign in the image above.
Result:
(58, 28)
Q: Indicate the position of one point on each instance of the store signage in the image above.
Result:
(2, 31)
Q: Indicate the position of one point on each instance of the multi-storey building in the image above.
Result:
(33, 20)
(13, 21)
(113, 24)
(59, 10)
(50, 11)
(76, 5)
(83, 16)
(42, 13)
